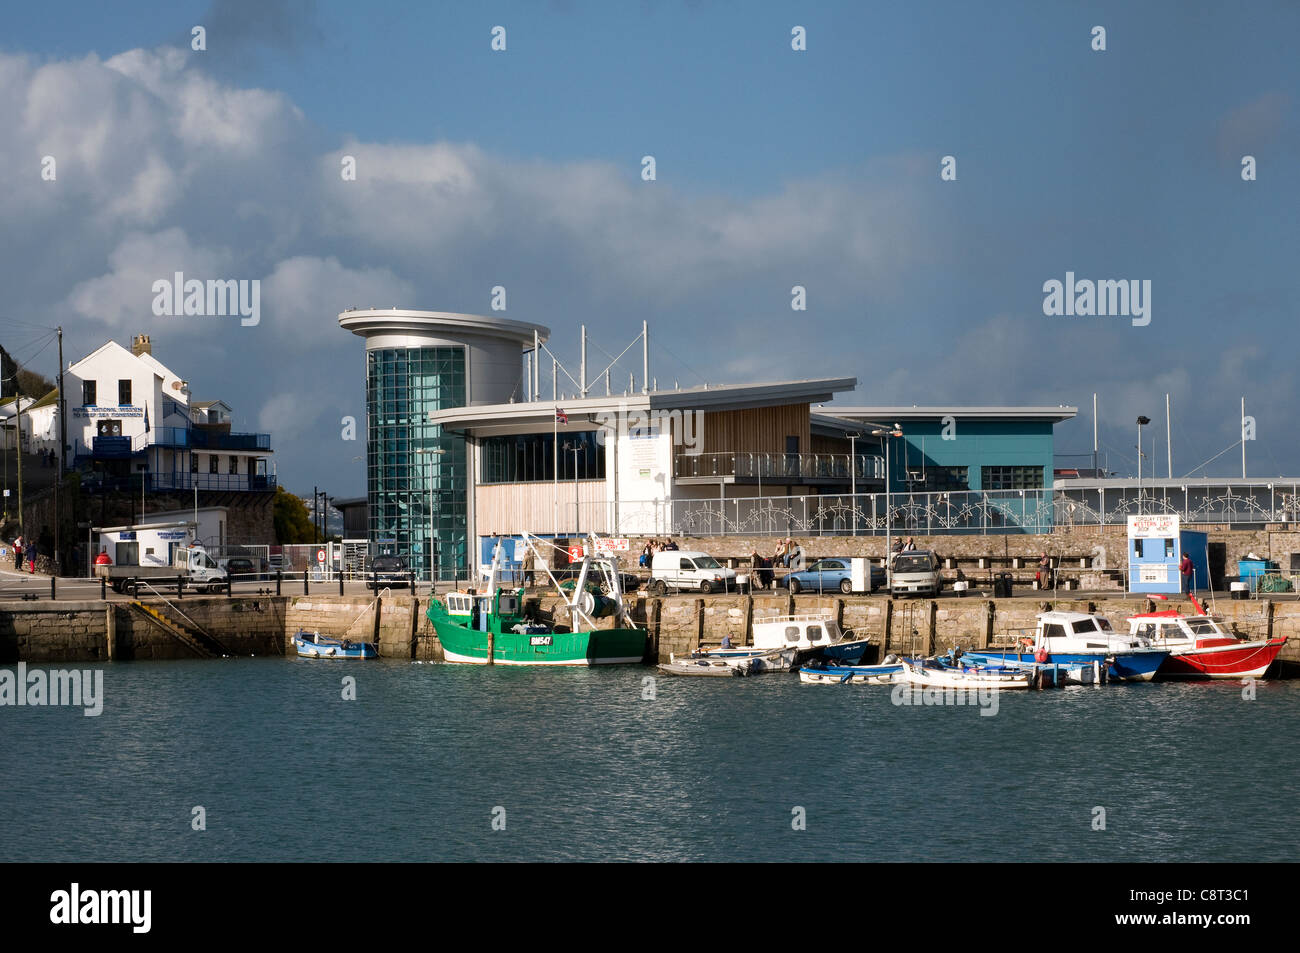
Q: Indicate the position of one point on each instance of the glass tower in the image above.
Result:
(416, 484)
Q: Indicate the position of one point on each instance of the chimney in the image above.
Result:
(140, 345)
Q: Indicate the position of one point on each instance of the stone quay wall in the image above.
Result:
(265, 625)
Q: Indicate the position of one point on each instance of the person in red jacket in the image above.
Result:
(1189, 574)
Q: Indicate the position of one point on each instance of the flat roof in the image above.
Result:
(888, 415)
(1174, 483)
(583, 410)
(444, 323)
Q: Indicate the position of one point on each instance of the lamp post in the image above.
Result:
(576, 449)
(1141, 421)
(853, 480)
(434, 450)
(883, 430)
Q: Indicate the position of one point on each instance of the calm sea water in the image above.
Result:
(585, 768)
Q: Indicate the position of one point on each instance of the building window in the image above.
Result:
(214, 465)
(123, 393)
(1011, 478)
(531, 458)
(234, 465)
(946, 479)
(88, 393)
(194, 463)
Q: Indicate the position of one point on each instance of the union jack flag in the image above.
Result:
(561, 416)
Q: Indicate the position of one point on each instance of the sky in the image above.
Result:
(774, 168)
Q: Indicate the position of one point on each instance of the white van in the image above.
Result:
(682, 569)
(915, 573)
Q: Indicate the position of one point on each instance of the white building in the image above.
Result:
(129, 414)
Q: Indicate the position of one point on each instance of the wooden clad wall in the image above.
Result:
(760, 429)
(530, 507)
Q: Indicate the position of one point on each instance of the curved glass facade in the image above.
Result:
(412, 490)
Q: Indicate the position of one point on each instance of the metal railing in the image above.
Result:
(974, 512)
(200, 439)
(160, 482)
(745, 465)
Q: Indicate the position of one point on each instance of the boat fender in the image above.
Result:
(1040, 655)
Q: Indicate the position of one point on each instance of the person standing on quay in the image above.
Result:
(529, 567)
(18, 554)
(1189, 574)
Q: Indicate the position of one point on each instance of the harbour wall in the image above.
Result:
(98, 631)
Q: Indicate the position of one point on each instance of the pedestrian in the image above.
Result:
(18, 554)
(1189, 574)
(1044, 573)
(529, 565)
(32, 552)
(645, 556)
(779, 555)
(795, 555)
(911, 545)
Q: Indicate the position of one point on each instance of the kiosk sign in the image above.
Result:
(1153, 526)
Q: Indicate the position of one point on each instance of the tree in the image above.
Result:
(292, 521)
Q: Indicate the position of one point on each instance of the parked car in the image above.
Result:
(915, 573)
(627, 581)
(387, 571)
(827, 575)
(684, 569)
(240, 568)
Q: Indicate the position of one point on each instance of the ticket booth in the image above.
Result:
(1156, 544)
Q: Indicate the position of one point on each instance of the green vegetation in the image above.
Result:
(292, 521)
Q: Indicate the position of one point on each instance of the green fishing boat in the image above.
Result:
(464, 619)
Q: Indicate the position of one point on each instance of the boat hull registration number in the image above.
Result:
(539, 640)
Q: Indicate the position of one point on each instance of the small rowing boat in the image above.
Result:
(937, 674)
(315, 645)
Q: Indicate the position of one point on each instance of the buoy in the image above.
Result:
(1040, 655)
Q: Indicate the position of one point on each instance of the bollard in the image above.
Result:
(306, 586)
(340, 582)
(277, 582)
(52, 590)
(180, 587)
(230, 581)
(103, 587)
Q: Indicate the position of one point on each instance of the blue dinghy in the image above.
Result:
(315, 645)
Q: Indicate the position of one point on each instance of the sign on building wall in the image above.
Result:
(645, 480)
(92, 413)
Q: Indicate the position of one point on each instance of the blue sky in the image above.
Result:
(775, 168)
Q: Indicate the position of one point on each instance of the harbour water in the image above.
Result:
(578, 764)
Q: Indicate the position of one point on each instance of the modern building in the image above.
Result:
(462, 448)
(132, 419)
(418, 472)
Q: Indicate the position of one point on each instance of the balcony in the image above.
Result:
(163, 482)
(746, 467)
(116, 448)
(198, 439)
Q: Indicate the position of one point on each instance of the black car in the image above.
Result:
(388, 571)
(240, 568)
(628, 582)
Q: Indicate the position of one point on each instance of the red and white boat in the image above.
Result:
(1199, 646)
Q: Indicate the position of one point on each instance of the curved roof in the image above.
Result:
(442, 323)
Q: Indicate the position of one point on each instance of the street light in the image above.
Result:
(435, 450)
(883, 430)
(576, 448)
(1142, 421)
(853, 480)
